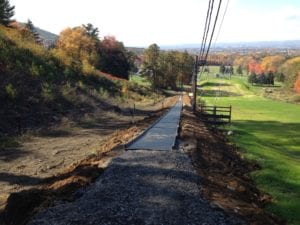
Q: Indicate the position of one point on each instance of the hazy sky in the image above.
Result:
(166, 22)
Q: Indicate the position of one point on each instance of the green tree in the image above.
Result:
(239, 70)
(270, 78)
(6, 12)
(222, 69)
(252, 78)
(150, 64)
(231, 71)
(91, 31)
(29, 25)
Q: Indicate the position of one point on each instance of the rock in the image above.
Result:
(241, 188)
(232, 185)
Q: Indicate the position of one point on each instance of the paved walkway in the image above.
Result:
(162, 135)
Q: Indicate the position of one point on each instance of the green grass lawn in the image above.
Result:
(140, 80)
(268, 132)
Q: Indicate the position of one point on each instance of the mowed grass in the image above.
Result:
(268, 132)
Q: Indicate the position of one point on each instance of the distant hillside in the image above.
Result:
(47, 37)
(138, 51)
(292, 44)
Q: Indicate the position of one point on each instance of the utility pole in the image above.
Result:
(194, 85)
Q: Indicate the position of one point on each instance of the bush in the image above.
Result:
(252, 78)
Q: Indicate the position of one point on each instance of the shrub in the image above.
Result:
(10, 91)
(252, 78)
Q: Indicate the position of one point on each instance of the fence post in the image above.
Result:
(230, 108)
(215, 114)
(19, 126)
(132, 113)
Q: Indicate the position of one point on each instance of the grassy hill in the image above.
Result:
(36, 88)
(267, 131)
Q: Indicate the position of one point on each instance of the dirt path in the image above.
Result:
(50, 152)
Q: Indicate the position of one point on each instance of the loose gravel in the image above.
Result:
(143, 188)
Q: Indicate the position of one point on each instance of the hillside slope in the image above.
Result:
(37, 88)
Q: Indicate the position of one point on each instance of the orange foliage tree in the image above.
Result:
(297, 84)
(254, 67)
(272, 63)
(291, 70)
(74, 47)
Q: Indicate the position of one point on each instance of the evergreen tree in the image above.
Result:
(91, 31)
(239, 70)
(6, 12)
(29, 25)
(222, 69)
(252, 78)
(270, 78)
(261, 79)
(231, 70)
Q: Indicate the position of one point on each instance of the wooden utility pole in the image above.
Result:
(194, 85)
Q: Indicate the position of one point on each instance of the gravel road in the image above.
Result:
(140, 187)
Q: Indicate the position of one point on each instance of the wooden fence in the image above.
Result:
(218, 115)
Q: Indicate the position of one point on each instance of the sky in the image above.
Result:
(166, 22)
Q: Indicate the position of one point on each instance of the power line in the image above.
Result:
(213, 30)
(203, 43)
(211, 36)
(221, 24)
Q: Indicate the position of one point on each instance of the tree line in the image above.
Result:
(167, 69)
(79, 48)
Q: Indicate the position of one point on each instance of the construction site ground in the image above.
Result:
(51, 167)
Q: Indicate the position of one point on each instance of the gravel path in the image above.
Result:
(140, 187)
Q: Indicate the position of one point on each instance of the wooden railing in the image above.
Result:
(219, 115)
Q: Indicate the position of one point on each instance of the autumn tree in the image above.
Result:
(297, 83)
(290, 69)
(272, 63)
(114, 58)
(29, 25)
(75, 48)
(6, 12)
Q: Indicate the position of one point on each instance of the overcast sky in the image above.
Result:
(166, 22)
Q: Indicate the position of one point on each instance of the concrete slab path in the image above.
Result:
(161, 135)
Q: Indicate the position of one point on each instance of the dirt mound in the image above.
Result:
(225, 179)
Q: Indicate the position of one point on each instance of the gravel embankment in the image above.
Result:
(140, 187)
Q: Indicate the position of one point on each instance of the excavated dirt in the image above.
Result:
(26, 189)
(225, 179)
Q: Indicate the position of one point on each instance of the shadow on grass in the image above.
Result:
(215, 84)
(217, 93)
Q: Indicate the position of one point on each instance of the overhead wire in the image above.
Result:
(203, 49)
(206, 27)
(222, 21)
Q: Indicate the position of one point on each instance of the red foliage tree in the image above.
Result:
(297, 84)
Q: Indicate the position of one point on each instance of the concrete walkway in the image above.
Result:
(161, 135)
